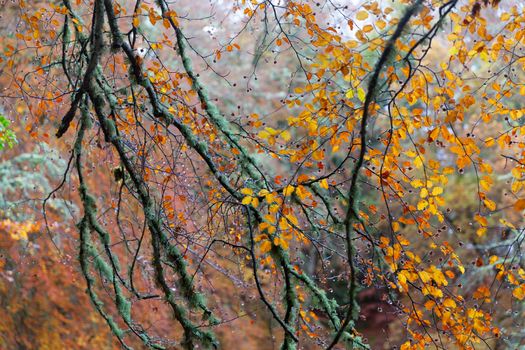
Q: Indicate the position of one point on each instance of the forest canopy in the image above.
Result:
(262, 174)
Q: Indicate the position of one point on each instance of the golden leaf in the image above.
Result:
(519, 293)
(362, 15)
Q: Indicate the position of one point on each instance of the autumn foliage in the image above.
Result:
(262, 174)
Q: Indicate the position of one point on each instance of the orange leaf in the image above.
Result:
(519, 205)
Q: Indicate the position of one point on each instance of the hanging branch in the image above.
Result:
(352, 209)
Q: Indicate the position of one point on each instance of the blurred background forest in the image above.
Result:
(43, 297)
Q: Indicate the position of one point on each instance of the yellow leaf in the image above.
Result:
(410, 153)
(406, 346)
(286, 136)
(490, 204)
(449, 303)
(481, 220)
(395, 226)
(508, 224)
(434, 133)
(402, 240)
(264, 134)
(291, 218)
(280, 242)
(361, 95)
(428, 289)
(425, 277)
(505, 16)
(418, 162)
(438, 276)
(301, 192)
(263, 192)
(247, 191)
(318, 155)
(485, 183)
(362, 15)
(416, 183)
(288, 190)
(481, 231)
(269, 218)
(519, 293)
(429, 305)
(247, 200)
(270, 198)
(283, 224)
(266, 246)
(437, 191)
(323, 184)
(422, 205)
